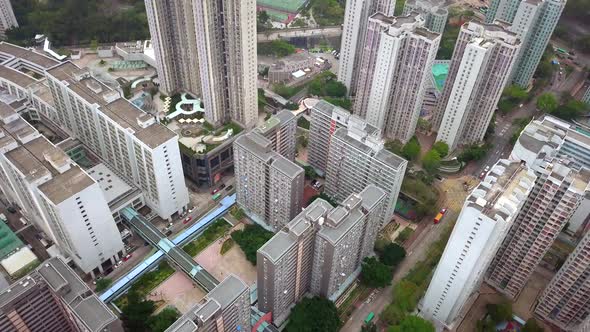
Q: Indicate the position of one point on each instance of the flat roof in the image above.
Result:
(17, 77)
(66, 185)
(286, 166)
(111, 184)
(27, 54)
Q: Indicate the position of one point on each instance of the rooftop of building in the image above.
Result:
(505, 185)
(112, 186)
(286, 166)
(278, 119)
(65, 185)
(27, 54)
(256, 144)
(9, 242)
(492, 31)
(112, 104)
(326, 108)
(64, 282)
(17, 77)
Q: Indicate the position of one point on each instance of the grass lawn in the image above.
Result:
(212, 233)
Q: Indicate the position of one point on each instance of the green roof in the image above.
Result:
(8, 240)
(291, 6)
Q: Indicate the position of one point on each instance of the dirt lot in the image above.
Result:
(178, 291)
(232, 262)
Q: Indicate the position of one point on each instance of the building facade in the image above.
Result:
(52, 298)
(319, 252)
(434, 12)
(269, 187)
(325, 120)
(484, 221)
(281, 130)
(126, 138)
(558, 192)
(7, 18)
(482, 61)
(356, 15)
(357, 159)
(208, 48)
(225, 308)
(396, 61)
(565, 301)
(533, 21)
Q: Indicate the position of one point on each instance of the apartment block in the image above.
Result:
(393, 72)
(564, 302)
(533, 21)
(487, 215)
(52, 298)
(434, 12)
(172, 30)
(7, 18)
(325, 120)
(208, 48)
(225, 308)
(319, 252)
(57, 195)
(586, 96)
(482, 61)
(354, 30)
(281, 130)
(269, 187)
(129, 140)
(558, 192)
(357, 159)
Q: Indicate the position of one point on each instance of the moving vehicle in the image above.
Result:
(369, 318)
(438, 218)
(216, 196)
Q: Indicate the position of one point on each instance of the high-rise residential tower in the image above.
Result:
(269, 186)
(225, 308)
(485, 219)
(557, 193)
(565, 301)
(356, 15)
(171, 24)
(396, 61)
(208, 47)
(435, 13)
(281, 130)
(7, 18)
(357, 159)
(320, 251)
(533, 22)
(483, 58)
(129, 140)
(52, 298)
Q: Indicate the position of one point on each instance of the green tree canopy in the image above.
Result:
(531, 325)
(500, 312)
(136, 313)
(406, 295)
(431, 161)
(411, 150)
(314, 314)
(473, 152)
(371, 327)
(250, 239)
(442, 148)
(392, 254)
(392, 314)
(375, 274)
(571, 110)
(547, 102)
(103, 283)
(163, 320)
(278, 48)
(412, 324)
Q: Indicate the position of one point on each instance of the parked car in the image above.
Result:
(443, 211)
(126, 258)
(187, 220)
(230, 187)
(214, 191)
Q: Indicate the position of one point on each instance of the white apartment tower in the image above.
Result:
(7, 18)
(171, 24)
(557, 194)
(357, 159)
(216, 39)
(395, 65)
(129, 140)
(483, 58)
(281, 130)
(57, 195)
(269, 187)
(356, 15)
(484, 221)
(533, 21)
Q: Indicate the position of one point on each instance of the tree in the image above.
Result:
(442, 148)
(375, 274)
(136, 313)
(163, 320)
(547, 102)
(310, 172)
(263, 17)
(413, 324)
(303, 122)
(571, 110)
(473, 152)
(335, 89)
(314, 314)
(392, 254)
(411, 150)
(431, 161)
(424, 125)
(393, 314)
(406, 295)
(102, 284)
(94, 44)
(500, 312)
(531, 325)
(371, 327)
(250, 239)
(394, 146)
